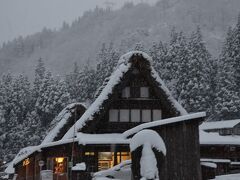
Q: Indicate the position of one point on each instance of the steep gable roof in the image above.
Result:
(59, 126)
(123, 66)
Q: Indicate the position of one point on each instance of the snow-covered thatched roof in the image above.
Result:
(219, 124)
(60, 121)
(123, 66)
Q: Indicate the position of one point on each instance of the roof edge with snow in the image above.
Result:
(161, 122)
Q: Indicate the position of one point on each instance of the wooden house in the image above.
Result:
(226, 127)
(221, 149)
(133, 98)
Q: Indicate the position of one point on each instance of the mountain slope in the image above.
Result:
(131, 24)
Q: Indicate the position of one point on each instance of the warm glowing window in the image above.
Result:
(58, 165)
(107, 160)
(89, 153)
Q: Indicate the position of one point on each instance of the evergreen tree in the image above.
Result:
(40, 71)
(53, 98)
(6, 91)
(159, 54)
(21, 97)
(177, 63)
(194, 93)
(139, 47)
(72, 81)
(107, 60)
(228, 96)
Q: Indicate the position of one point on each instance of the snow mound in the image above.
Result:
(150, 137)
(148, 163)
(79, 167)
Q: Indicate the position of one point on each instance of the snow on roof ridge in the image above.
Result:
(124, 59)
(219, 124)
(59, 121)
(163, 122)
(123, 66)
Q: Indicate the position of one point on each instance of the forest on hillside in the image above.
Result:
(80, 40)
(196, 79)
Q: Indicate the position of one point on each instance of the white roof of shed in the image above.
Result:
(216, 139)
(219, 124)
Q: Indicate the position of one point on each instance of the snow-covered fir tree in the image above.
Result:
(159, 53)
(73, 85)
(52, 99)
(194, 93)
(107, 60)
(40, 71)
(228, 94)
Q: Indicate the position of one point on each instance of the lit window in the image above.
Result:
(135, 115)
(58, 165)
(89, 153)
(106, 159)
(144, 92)
(157, 114)
(124, 115)
(126, 92)
(113, 115)
(146, 115)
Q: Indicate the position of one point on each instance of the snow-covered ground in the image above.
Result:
(228, 177)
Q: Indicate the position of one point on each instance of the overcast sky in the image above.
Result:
(23, 17)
